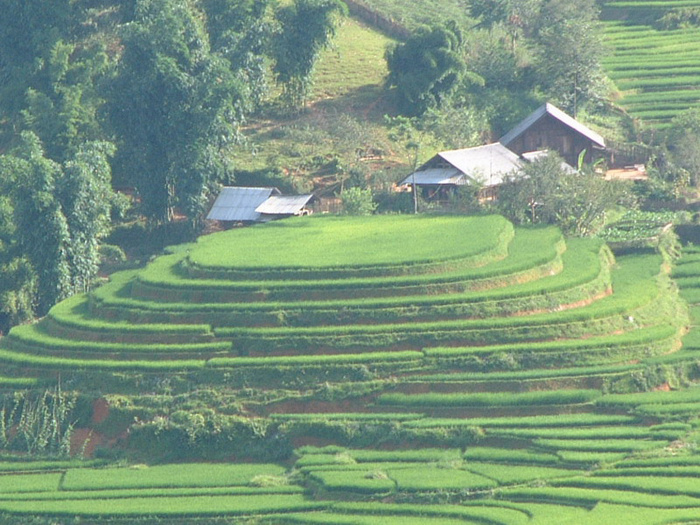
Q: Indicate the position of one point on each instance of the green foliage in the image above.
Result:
(358, 201)
(38, 423)
(568, 53)
(175, 106)
(547, 192)
(306, 27)
(426, 68)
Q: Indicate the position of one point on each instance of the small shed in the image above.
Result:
(239, 204)
(550, 128)
(279, 206)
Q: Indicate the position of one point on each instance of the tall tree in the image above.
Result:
(306, 27)
(426, 68)
(84, 191)
(62, 106)
(41, 228)
(175, 107)
(241, 31)
(568, 53)
(28, 32)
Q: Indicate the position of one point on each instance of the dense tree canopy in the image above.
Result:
(426, 68)
(547, 191)
(174, 105)
(306, 27)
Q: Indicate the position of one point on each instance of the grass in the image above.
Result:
(557, 397)
(396, 242)
(167, 476)
(651, 64)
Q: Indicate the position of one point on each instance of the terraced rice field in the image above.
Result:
(656, 69)
(493, 375)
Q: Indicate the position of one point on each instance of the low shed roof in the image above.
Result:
(236, 203)
(284, 204)
(436, 176)
(484, 164)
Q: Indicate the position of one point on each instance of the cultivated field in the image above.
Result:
(389, 369)
(654, 64)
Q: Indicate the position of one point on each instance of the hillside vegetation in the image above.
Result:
(443, 369)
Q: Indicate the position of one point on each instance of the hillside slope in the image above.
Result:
(448, 369)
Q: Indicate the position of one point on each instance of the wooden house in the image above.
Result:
(549, 128)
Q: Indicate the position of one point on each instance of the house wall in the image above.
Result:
(549, 133)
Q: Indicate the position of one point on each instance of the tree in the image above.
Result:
(242, 31)
(85, 192)
(358, 201)
(516, 16)
(175, 107)
(545, 191)
(568, 51)
(62, 106)
(29, 30)
(42, 234)
(306, 27)
(683, 143)
(426, 68)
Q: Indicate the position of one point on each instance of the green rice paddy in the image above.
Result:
(506, 378)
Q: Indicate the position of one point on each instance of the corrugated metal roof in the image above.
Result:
(236, 203)
(436, 176)
(549, 109)
(485, 165)
(283, 204)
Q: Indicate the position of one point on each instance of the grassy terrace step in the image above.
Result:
(639, 342)
(36, 339)
(635, 290)
(528, 422)
(490, 399)
(340, 247)
(566, 353)
(71, 319)
(602, 433)
(164, 281)
(585, 276)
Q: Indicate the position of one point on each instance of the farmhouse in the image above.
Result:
(549, 128)
(485, 166)
(246, 204)
(546, 129)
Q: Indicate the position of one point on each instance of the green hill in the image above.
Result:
(443, 369)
